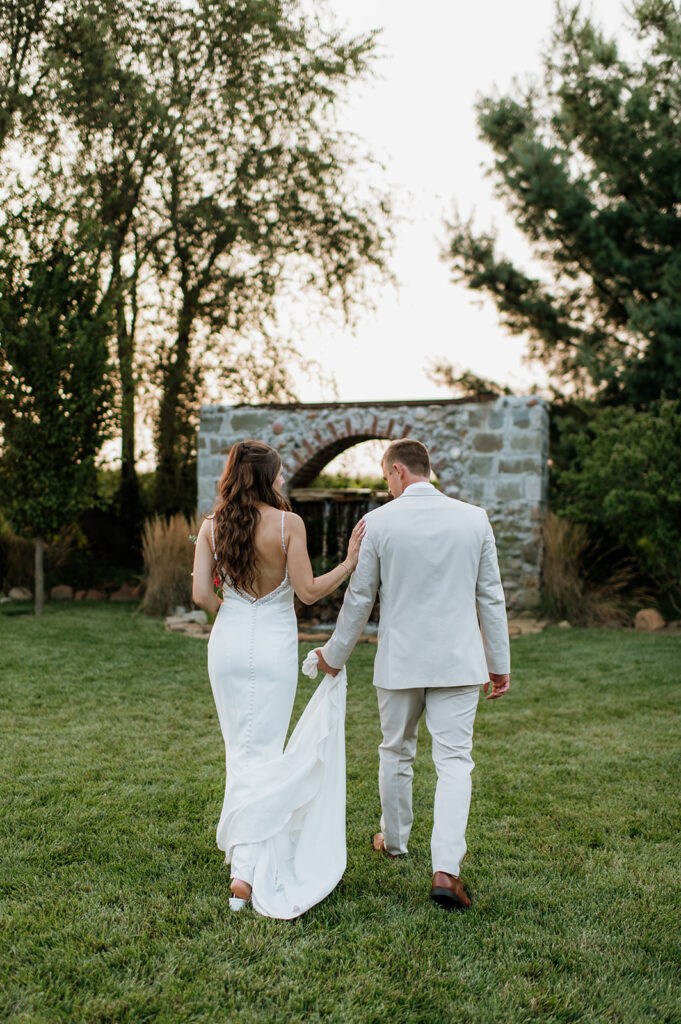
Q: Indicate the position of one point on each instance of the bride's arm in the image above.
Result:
(300, 572)
(204, 572)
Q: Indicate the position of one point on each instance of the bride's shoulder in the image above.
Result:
(292, 519)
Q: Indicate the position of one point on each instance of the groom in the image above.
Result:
(442, 634)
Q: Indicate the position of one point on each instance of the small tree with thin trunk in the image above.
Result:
(54, 395)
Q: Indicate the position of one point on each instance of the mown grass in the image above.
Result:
(114, 898)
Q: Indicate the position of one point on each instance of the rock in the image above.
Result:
(176, 624)
(62, 592)
(564, 624)
(649, 619)
(20, 594)
(125, 593)
(80, 594)
(94, 595)
(180, 610)
(197, 618)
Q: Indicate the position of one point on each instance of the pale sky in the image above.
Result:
(419, 120)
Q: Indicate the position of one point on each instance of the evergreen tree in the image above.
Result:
(589, 165)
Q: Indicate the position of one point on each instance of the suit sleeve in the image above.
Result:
(357, 604)
(491, 606)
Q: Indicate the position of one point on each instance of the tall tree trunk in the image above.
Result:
(168, 456)
(39, 575)
(129, 494)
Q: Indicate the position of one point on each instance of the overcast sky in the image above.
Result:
(418, 116)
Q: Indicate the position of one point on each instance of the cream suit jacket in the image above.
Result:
(433, 562)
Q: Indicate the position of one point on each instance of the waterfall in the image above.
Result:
(330, 516)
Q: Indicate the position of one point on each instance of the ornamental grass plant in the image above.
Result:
(168, 551)
(569, 588)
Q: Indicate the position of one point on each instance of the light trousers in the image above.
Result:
(450, 714)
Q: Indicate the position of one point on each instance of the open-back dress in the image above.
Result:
(282, 826)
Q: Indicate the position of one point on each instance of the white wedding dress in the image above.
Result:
(282, 826)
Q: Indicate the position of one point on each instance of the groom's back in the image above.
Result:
(429, 549)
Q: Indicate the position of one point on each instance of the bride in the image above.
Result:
(282, 826)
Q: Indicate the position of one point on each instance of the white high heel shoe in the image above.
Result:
(239, 902)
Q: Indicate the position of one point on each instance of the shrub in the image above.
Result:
(168, 552)
(570, 587)
(627, 478)
(66, 558)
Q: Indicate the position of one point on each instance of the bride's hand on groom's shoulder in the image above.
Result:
(354, 544)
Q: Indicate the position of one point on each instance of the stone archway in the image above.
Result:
(490, 452)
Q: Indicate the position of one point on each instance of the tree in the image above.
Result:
(256, 193)
(588, 166)
(54, 394)
(191, 147)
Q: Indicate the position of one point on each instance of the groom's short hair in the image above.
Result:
(412, 454)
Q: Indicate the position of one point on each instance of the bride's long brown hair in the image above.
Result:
(249, 476)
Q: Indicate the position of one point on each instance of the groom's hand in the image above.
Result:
(324, 665)
(500, 685)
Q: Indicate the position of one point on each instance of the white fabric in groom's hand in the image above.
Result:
(293, 807)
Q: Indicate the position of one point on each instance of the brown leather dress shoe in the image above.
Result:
(378, 843)
(448, 891)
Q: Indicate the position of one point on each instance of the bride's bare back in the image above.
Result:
(272, 560)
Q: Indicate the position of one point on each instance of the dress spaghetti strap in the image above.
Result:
(283, 544)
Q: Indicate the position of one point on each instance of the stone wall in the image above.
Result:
(493, 453)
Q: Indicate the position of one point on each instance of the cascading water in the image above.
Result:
(329, 517)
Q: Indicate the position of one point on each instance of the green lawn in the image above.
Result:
(114, 898)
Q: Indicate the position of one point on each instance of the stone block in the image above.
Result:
(481, 465)
(20, 594)
(520, 418)
(533, 488)
(250, 422)
(520, 464)
(532, 552)
(526, 441)
(61, 592)
(510, 490)
(495, 419)
(477, 417)
(211, 422)
(484, 442)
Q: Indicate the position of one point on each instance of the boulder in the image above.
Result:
(125, 593)
(20, 594)
(79, 595)
(564, 624)
(94, 595)
(649, 619)
(62, 592)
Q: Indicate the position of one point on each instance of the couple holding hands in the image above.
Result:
(432, 561)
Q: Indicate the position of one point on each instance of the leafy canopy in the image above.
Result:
(54, 392)
(589, 165)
